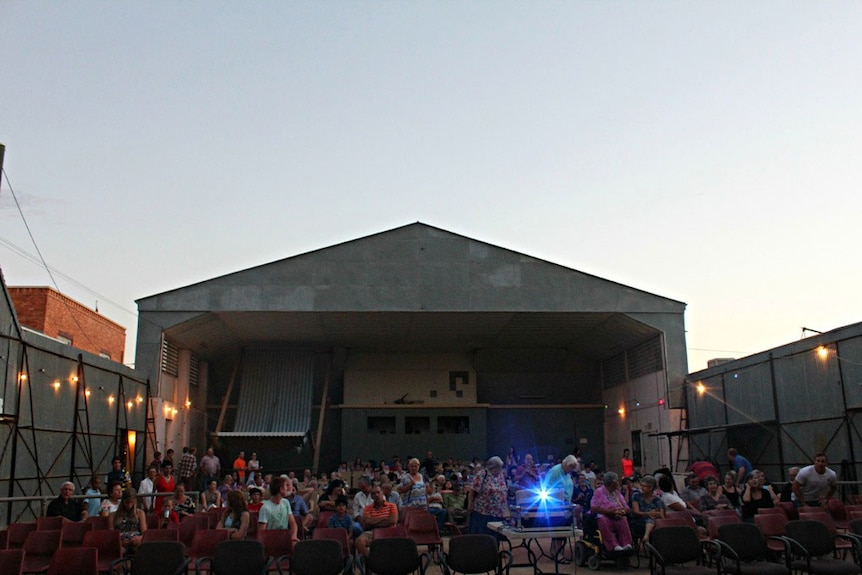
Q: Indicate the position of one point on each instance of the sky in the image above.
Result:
(708, 151)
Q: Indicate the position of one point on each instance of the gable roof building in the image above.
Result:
(410, 340)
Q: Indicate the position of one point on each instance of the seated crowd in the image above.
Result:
(464, 494)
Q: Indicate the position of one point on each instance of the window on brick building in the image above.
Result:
(65, 337)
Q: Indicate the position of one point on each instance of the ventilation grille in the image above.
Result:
(170, 359)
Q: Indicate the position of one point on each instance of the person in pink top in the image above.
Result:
(611, 507)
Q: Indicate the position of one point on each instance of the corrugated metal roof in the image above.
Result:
(275, 394)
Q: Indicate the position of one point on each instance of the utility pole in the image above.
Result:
(2, 153)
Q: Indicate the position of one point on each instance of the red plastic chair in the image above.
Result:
(153, 521)
(278, 544)
(214, 516)
(11, 561)
(389, 532)
(75, 561)
(790, 509)
(99, 522)
(836, 509)
(422, 528)
(17, 533)
(716, 521)
(771, 511)
(323, 519)
(205, 541)
(772, 525)
(719, 512)
(200, 520)
(186, 530)
(72, 533)
(39, 548)
(107, 541)
(160, 535)
(50, 523)
(253, 516)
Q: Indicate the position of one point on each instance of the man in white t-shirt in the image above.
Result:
(275, 513)
(814, 484)
(147, 488)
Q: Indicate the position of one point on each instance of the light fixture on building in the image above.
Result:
(130, 404)
(110, 400)
(701, 388)
(822, 352)
(56, 385)
(188, 404)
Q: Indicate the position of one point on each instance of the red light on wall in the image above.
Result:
(661, 401)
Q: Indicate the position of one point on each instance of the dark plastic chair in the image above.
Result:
(677, 550)
(744, 551)
(74, 561)
(814, 550)
(317, 557)
(475, 554)
(241, 557)
(11, 561)
(72, 533)
(39, 548)
(158, 558)
(395, 556)
(338, 534)
(821, 516)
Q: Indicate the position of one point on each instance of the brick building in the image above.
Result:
(47, 311)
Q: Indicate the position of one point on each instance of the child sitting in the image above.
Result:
(341, 518)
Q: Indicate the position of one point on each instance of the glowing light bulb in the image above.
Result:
(822, 352)
(130, 404)
(56, 385)
(621, 411)
(87, 393)
(110, 400)
(701, 388)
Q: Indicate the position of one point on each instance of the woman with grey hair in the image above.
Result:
(560, 477)
(611, 507)
(646, 508)
(486, 499)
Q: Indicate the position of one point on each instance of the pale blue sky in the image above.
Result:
(710, 152)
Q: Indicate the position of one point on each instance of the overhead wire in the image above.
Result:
(43, 263)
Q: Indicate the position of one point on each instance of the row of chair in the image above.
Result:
(744, 549)
(390, 556)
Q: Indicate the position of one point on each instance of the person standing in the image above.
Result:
(741, 466)
(560, 477)
(814, 484)
(210, 468)
(164, 484)
(188, 467)
(487, 499)
(628, 464)
(239, 468)
(412, 488)
(147, 488)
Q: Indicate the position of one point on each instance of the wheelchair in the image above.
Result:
(590, 550)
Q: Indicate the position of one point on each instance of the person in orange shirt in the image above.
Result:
(628, 464)
(239, 467)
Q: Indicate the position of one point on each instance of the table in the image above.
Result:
(529, 537)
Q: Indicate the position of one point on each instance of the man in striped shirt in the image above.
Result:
(380, 513)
